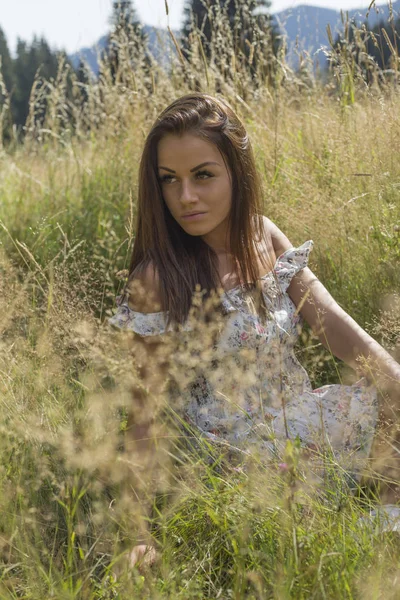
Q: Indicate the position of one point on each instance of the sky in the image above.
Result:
(73, 24)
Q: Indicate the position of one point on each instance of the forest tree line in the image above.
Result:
(37, 59)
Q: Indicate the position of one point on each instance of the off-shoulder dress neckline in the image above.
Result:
(227, 293)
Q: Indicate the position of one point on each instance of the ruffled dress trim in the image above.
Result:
(286, 267)
(291, 262)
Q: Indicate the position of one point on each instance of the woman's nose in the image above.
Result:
(188, 192)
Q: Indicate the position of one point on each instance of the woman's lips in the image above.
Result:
(194, 217)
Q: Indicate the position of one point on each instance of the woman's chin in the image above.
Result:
(195, 228)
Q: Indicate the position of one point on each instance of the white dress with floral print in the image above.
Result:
(256, 390)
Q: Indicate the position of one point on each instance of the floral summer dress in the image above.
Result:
(252, 389)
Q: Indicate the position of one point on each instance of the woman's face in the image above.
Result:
(196, 181)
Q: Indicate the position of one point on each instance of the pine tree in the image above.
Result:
(46, 60)
(36, 60)
(34, 64)
(197, 15)
(8, 83)
(124, 15)
(250, 24)
(126, 42)
(6, 62)
(24, 75)
(372, 52)
(384, 38)
(84, 79)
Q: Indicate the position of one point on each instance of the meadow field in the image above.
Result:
(328, 150)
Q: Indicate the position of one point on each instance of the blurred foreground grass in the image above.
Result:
(67, 483)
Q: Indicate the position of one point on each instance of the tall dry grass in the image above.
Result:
(73, 491)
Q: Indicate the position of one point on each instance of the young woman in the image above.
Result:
(200, 226)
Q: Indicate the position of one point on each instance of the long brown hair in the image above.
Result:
(183, 261)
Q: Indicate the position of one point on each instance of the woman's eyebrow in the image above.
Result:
(194, 169)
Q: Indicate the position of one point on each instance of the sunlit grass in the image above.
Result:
(72, 489)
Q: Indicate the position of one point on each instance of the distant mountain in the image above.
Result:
(305, 26)
(89, 55)
(159, 40)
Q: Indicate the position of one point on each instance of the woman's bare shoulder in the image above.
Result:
(278, 240)
(144, 290)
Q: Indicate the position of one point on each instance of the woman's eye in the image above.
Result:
(166, 178)
(199, 175)
(204, 174)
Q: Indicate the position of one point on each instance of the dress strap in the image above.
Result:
(291, 262)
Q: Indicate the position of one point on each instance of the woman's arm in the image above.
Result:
(337, 331)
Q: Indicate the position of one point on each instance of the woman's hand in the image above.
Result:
(143, 557)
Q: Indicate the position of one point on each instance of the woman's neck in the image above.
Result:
(218, 240)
